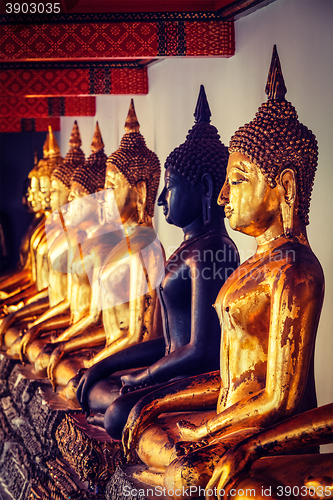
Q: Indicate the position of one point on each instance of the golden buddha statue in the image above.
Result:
(31, 296)
(194, 274)
(127, 258)
(59, 193)
(308, 476)
(68, 253)
(55, 239)
(45, 171)
(22, 273)
(269, 309)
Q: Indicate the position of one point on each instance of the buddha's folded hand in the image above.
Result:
(27, 338)
(3, 295)
(141, 416)
(88, 380)
(191, 432)
(56, 356)
(232, 467)
(134, 382)
(186, 447)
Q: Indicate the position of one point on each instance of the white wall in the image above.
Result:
(302, 30)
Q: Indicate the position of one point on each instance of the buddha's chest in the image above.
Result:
(175, 289)
(244, 309)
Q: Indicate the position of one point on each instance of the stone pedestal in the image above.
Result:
(123, 484)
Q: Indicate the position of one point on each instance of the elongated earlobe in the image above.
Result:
(207, 184)
(288, 182)
(141, 201)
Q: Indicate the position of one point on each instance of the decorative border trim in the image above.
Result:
(111, 17)
(29, 124)
(110, 41)
(73, 81)
(42, 107)
(43, 65)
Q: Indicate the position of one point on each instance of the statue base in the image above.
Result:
(89, 450)
(123, 484)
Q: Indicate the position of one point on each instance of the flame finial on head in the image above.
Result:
(275, 87)
(132, 124)
(54, 150)
(75, 138)
(97, 142)
(202, 111)
(46, 147)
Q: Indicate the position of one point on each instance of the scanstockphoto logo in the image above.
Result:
(87, 240)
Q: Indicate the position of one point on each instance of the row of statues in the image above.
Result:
(196, 363)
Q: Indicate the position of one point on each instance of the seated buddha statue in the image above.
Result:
(59, 191)
(81, 224)
(18, 280)
(127, 259)
(21, 274)
(34, 298)
(269, 309)
(193, 277)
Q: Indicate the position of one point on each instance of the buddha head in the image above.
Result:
(87, 179)
(195, 172)
(132, 176)
(62, 173)
(272, 165)
(31, 193)
(51, 160)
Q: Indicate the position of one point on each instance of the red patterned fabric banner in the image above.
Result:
(122, 40)
(210, 39)
(73, 81)
(78, 41)
(29, 124)
(39, 107)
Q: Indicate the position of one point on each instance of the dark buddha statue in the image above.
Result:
(269, 309)
(194, 275)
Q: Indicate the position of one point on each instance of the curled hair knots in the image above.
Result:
(73, 159)
(201, 153)
(138, 163)
(91, 175)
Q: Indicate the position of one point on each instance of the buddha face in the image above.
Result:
(250, 204)
(181, 202)
(119, 191)
(25, 197)
(44, 192)
(82, 206)
(33, 197)
(58, 194)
